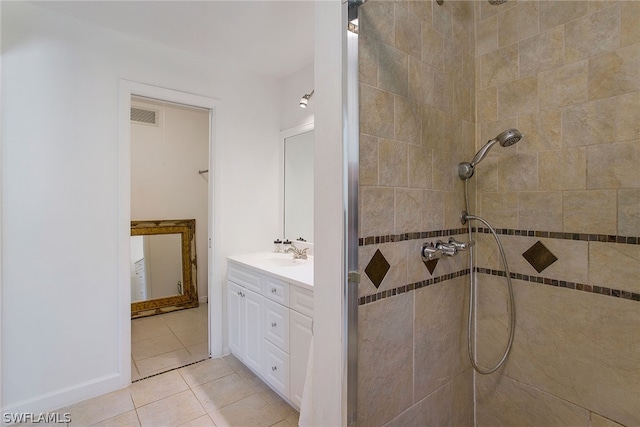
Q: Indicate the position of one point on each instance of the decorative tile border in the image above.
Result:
(390, 238)
(411, 287)
(602, 290)
(603, 238)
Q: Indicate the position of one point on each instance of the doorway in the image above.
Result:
(152, 189)
(169, 182)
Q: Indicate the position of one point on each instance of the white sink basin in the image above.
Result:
(280, 264)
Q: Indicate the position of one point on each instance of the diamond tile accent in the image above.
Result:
(377, 268)
(539, 256)
(431, 265)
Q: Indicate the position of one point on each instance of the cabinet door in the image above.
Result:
(252, 328)
(235, 318)
(300, 332)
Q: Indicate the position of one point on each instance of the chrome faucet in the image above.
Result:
(297, 253)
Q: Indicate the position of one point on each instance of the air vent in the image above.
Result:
(141, 115)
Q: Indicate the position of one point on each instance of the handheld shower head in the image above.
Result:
(505, 139)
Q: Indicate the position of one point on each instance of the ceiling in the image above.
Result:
(269, 37)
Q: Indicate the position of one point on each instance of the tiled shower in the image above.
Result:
(436, 83)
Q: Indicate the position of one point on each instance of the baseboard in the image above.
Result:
(61, 398)
(203, 300)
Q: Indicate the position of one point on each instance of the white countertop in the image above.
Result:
(282, 266)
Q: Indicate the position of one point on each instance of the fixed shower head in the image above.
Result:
(505, 139)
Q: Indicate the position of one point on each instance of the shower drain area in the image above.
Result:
(539, 256)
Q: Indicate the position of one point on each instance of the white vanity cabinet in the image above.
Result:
(270, 327)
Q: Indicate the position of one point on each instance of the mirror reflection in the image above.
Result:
(156, 266)
(163, 266)
(298, 186)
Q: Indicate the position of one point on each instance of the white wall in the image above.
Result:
(60, 304)
(165, 183)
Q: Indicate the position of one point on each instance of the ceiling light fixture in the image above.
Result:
(305, 99)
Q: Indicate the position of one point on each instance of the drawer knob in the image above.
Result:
(274, 290)
(274, 368)
(273, 325)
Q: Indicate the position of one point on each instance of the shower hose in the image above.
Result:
(472, 293)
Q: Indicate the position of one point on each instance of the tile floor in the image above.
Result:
(168, 341)
(215, 392)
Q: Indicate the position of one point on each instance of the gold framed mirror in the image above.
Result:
(163, 266)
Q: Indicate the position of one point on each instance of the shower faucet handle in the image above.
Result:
(430, 252)
(461, 246)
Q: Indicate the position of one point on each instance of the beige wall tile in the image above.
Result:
(628, 117)
(542, 131)
(463, 399)
(445, 169)
(613, 165)
(518, 97)
(376, 212)
(593, 34)
(422, 82)
(494, 68)
(518, 172)
(562, 169)
(542, 52)
(554, 13)
(487, 104)
(392, 161)
(518, 23)
(629, 212)
(408, 38)
(442, 20)
(503, 401)
(376, 112)
(599, 421)
(564, 85)
(432, 47)
(438, 329)
(416, 270)
(615, 73)
(385, 359)
(629, 18)
(407, 120)
(453, 135)
(589, 123)
(368, 170)
(408, 205)
(433, 210)
(392, 69)
(540, 211)
(586, 341)
(614, 265)
(432, 127)
(368, 60)
(453, 206)
(420, 166)
(462, 96)
(591, 211)
(500, 209)
(421, 9)
(443, 95)
(487, 35)
(486, 175)
(376, 20)
(433, 410)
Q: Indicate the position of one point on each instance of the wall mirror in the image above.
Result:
(298, 183)
(163, 266)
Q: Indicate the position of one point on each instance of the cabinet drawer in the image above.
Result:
(302, 300)
(243, 276)
(276, 324)
(276, 368)
(275, 289)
